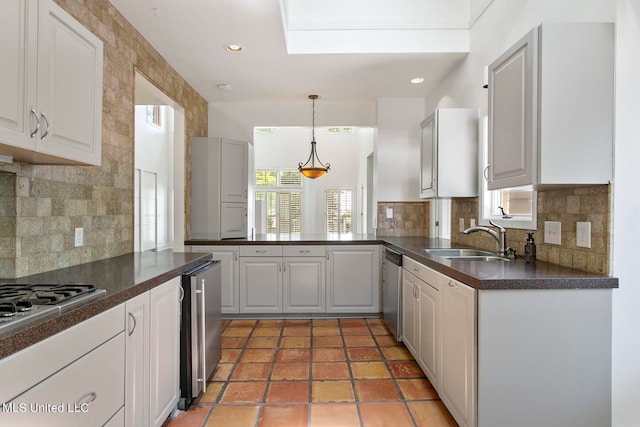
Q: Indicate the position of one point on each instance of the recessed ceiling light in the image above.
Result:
(224, 87)
(417, 80)
(234, 48)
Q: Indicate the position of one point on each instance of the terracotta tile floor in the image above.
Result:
(320, 372)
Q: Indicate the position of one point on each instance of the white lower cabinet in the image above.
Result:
(264, 279)
(153, 355)
(353, 279)
(80, 382)
(439, 316)
(277, 279)
(459, 350)
(230, 274)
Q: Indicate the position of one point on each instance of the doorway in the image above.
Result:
(158, 170)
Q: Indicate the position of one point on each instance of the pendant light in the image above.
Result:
(314, 168)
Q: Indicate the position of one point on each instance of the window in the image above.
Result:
(339, 218)
(511, 208)
(279, 201)
(153, 115)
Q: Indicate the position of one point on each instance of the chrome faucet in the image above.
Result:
(500, 236)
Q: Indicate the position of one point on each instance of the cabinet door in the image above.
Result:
(164, 350)
(18, 21)
(410, 289)
(353, 279)
(260, 284)
(233, 220)
(137, 361)
(429, 332)
(428, 158)
(304, 285)
(459, 351)
(234, 167)
(69, 87)
(230, 272)
(512, 115)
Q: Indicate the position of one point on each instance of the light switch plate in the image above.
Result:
(553, 232)
(461, 220)
(78, 237)
(583, 234)
(473, 222)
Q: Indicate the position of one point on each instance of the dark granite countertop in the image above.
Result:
(515, 274)
(285, 239)
(123, 277)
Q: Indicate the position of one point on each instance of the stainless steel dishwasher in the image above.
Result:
(392, 292)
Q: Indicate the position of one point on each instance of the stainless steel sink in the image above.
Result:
(452, 252)
(477, 258)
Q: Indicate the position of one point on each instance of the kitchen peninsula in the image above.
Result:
(503, 342)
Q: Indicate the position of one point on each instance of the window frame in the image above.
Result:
(279, 189)
(326, 213)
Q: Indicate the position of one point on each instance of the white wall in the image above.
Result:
(503, 23)
(398, 149)
(626, 205)
(345, 152)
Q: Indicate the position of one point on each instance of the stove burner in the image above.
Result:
(7, 309)
(41, 294)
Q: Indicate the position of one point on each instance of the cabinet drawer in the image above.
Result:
(86, 393)
(423, 272)
(261, 250)
(22, 370)
(306, 250)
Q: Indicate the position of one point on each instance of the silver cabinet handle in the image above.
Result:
(261, 251)
(35, 131)
(87, 398)
(135, 323)
(485, 173)
(235, 255)
(203, 334)
(452, 284)
(304, 251)
(181, 293)
(46, 131)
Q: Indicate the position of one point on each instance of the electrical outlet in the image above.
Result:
(461, 221)
(78, 237)
(472, 222)
(583, 234)
(389, 213)
(553, 232)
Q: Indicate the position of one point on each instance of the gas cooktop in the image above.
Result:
(21, 303)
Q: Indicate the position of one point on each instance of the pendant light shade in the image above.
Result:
(313, 168)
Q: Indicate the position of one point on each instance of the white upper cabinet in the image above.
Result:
(551, 108)
(449, 153)
(51, 108)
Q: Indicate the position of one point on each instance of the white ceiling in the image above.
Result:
(192, 35)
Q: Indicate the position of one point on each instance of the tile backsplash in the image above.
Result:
(409, 219)
(567, 206)
(41, 205)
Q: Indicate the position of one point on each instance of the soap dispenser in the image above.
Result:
(530, 249)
